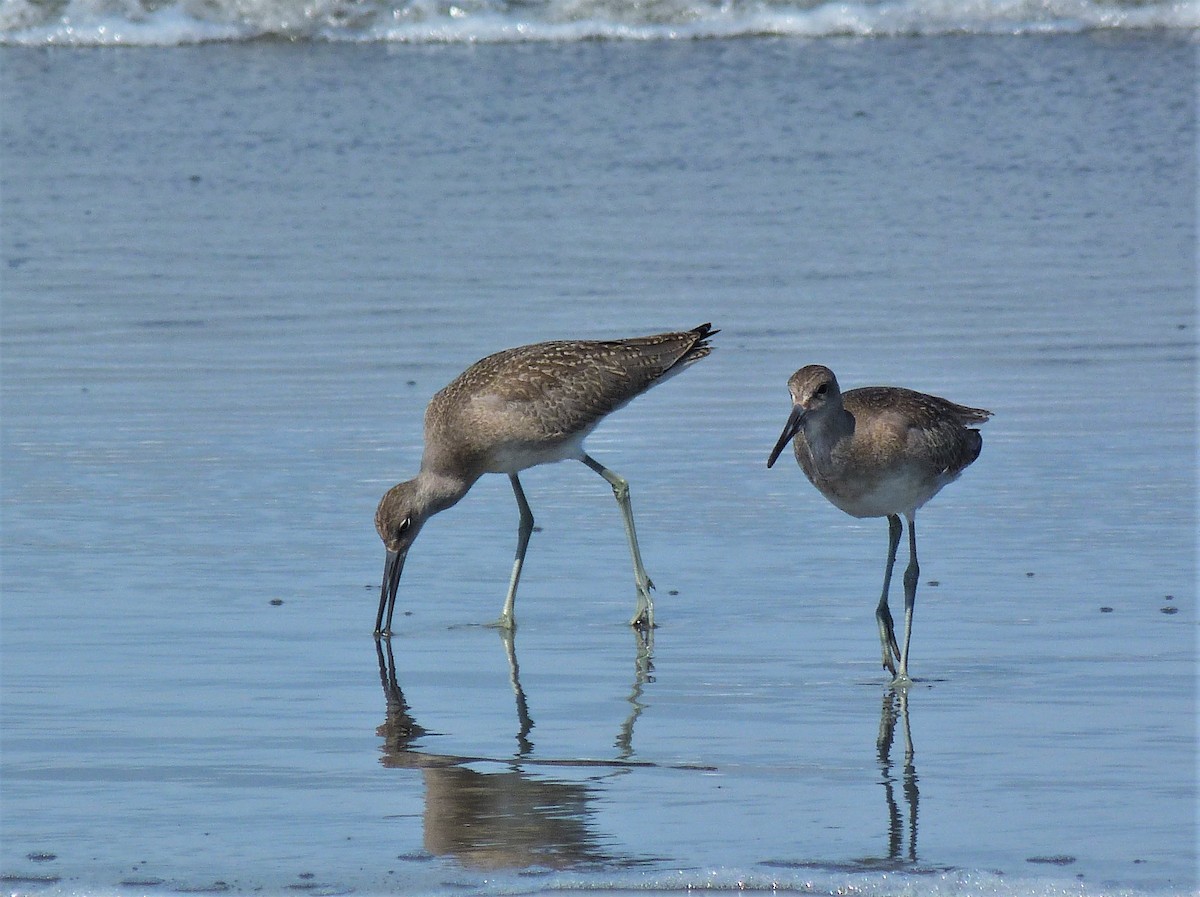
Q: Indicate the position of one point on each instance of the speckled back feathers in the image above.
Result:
(542, 396)
(936, 428)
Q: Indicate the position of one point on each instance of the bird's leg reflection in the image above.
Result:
(492, 813)
(524, 745)
(895, 709)
(643, 672)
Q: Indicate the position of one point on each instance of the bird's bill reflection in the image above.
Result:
(393, 566)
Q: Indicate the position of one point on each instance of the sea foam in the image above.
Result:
(179, 22)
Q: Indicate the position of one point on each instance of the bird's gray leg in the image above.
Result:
(525, 528)
(883, 616)
(644, 615)
(911, 574)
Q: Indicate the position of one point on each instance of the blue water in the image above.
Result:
(234, 274)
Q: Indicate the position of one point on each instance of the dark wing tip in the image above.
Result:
(700, 347)
(977, 415)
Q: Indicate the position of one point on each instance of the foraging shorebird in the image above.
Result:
(880, 451)
(516, 409)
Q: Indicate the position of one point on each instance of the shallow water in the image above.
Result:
(234, 275)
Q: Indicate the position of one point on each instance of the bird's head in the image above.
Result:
(814, 389)
(398, 519)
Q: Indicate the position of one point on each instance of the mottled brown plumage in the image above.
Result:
(544, 399)
(519, 408)
(880, 451)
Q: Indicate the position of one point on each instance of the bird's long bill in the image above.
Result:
(393, 565)
(790, 429)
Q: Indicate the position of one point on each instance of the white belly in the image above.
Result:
(900, 493)
(515, 457)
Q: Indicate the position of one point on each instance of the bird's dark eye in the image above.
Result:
(404, 525)
(822, 389)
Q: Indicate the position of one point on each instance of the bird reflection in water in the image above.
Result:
(901, 853)
(508, 819)
(895, 710)
(643, 673)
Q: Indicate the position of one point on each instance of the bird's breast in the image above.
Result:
(859, 479)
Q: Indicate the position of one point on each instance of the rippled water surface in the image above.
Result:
(234, 275)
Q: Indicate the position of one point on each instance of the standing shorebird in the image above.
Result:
(517, 409)
(880, 451)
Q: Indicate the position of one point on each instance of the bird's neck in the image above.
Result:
(438, 491)
(824, 432)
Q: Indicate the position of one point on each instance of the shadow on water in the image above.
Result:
(508, 819)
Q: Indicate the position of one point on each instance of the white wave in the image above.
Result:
(176, 22)
(814, 880)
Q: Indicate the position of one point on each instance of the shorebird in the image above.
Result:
(880, 451)
(516, 409)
